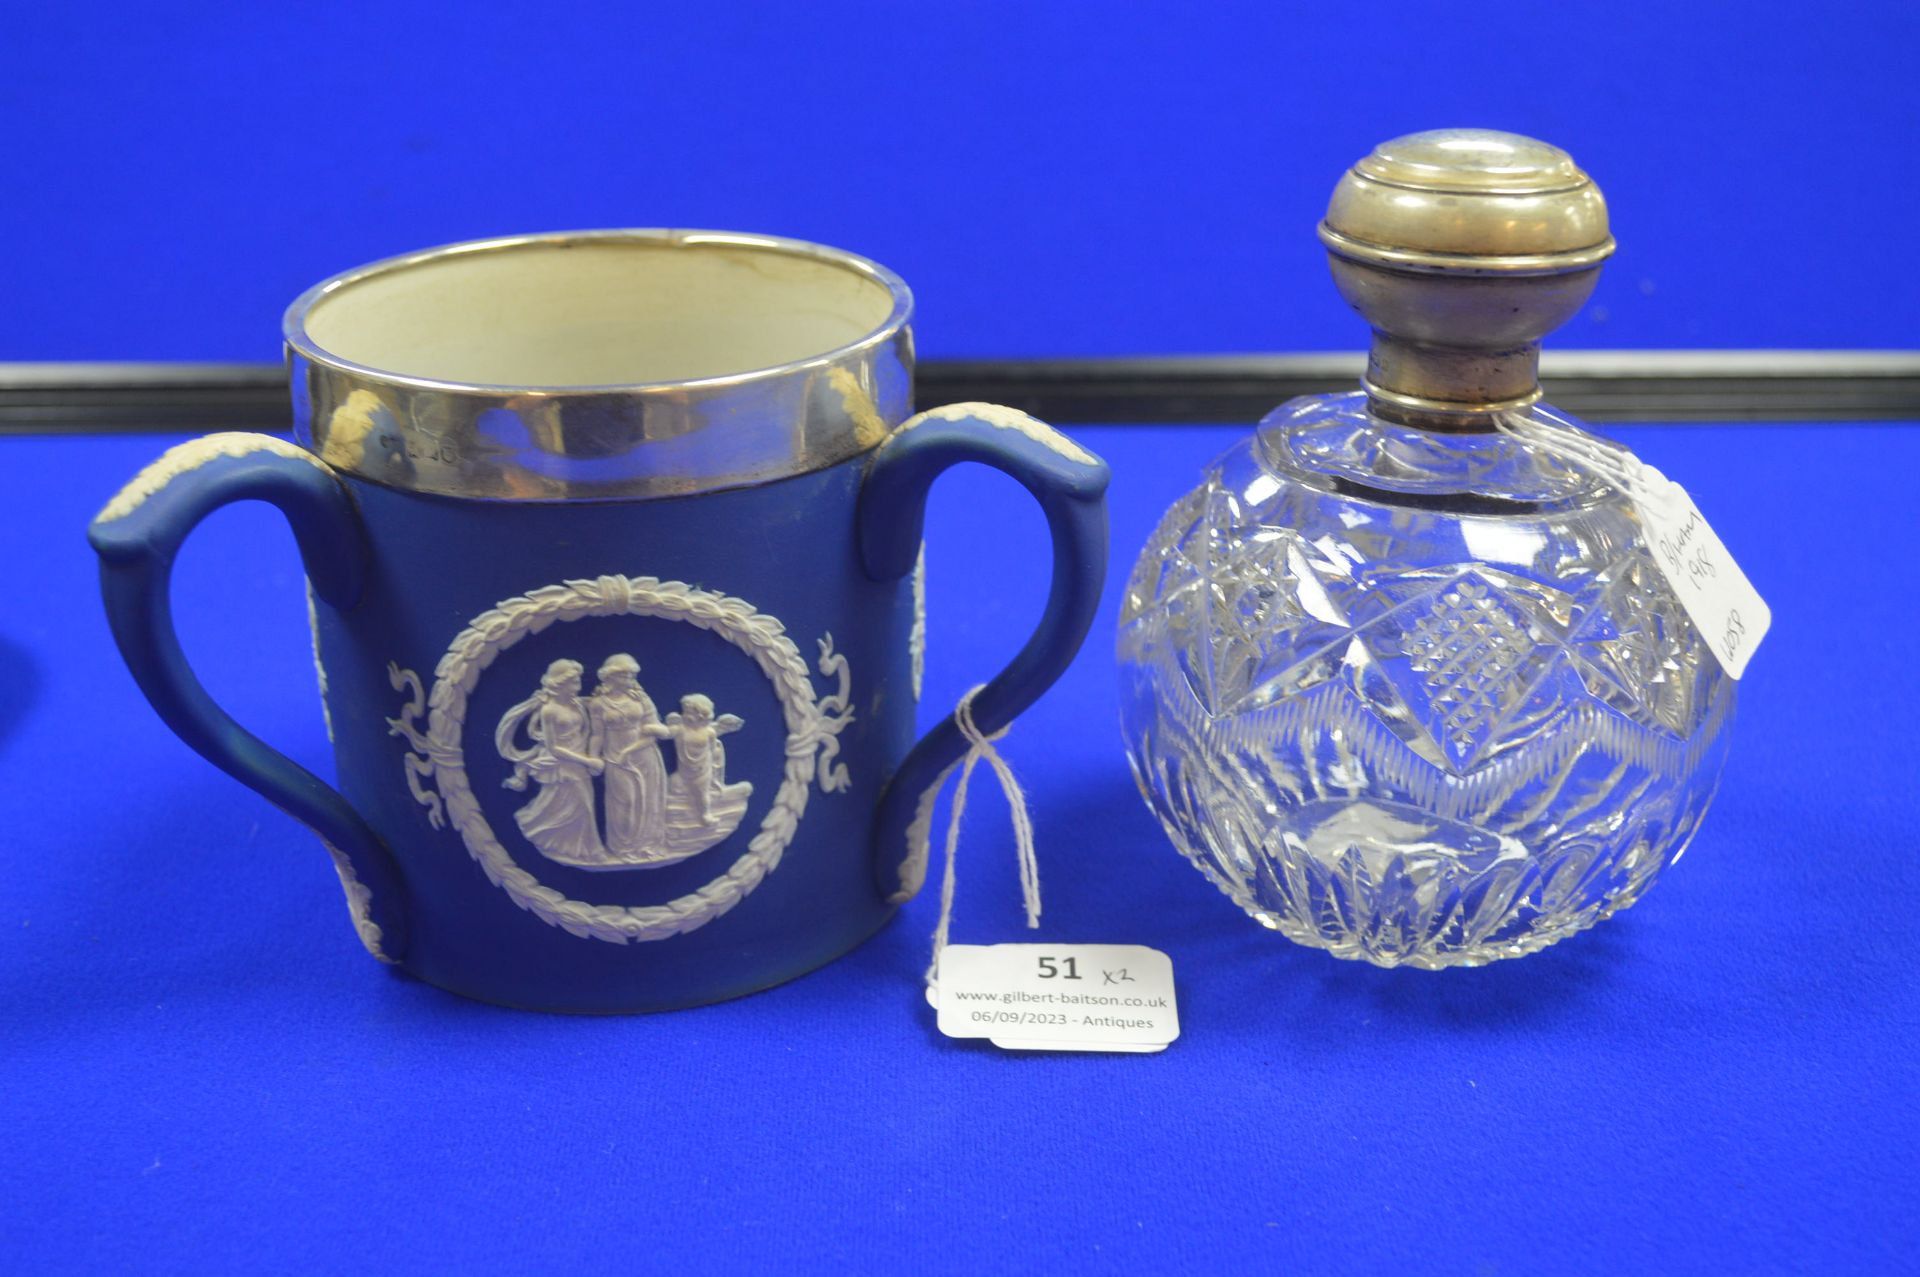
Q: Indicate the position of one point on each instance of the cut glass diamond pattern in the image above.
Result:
(1404, 734)
(1469, 661)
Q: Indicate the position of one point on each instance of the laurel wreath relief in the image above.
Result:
(436, 769)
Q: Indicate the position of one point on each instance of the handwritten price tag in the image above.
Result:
(1059, 997)
(1728, 611)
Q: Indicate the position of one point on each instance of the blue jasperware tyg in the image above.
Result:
(612, 542)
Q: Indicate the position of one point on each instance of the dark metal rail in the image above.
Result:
(1706, 385)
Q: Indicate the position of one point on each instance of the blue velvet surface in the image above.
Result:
(1067, 178)
(200, 1070)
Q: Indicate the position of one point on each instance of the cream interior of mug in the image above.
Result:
(598, 312)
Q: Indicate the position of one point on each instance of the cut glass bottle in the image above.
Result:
(1407, 687)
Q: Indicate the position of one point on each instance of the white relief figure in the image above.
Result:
(702, 807)
(560, 819)
(627, 732)
(638, 817)
(435, 764)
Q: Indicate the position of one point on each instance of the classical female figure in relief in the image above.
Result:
(560, 819)
(640, 817)
(627, 732)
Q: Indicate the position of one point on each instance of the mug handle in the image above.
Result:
(137, 537)
(1070, 484)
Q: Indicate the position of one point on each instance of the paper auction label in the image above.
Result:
(1729, 613)
(1719, 600)
(1058, 997)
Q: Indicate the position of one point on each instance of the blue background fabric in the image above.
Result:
(200, 1070)
(1067, 178)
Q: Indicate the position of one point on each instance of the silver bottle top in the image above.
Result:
(1462, 248)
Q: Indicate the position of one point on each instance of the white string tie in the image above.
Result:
(1607, 461)
(981, 747)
